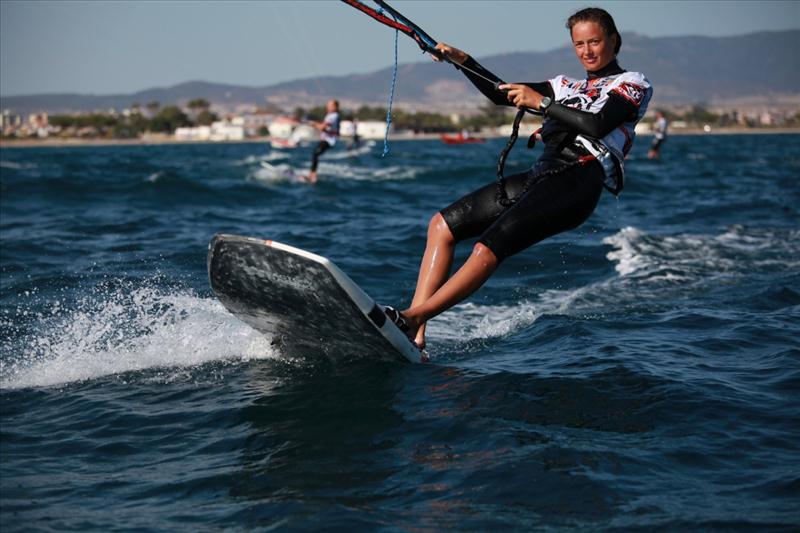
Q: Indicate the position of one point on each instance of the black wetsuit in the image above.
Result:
(328, 137)
(321, 148)
(558, 193)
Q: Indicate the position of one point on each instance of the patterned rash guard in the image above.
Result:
(604, 107)
(592, 94)
(331, 132)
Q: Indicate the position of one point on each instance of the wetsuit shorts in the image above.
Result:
(318, 151)
(656, 144)
(552, 204)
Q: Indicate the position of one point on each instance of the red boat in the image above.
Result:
(460, 138)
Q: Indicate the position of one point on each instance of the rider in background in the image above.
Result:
(659, 136)
(329, 133)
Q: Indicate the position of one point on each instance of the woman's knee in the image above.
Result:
(439, 230)
(485, 254)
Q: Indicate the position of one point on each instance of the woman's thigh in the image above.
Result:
(472, 214)
(553, 205)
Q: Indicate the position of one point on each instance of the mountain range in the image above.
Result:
(757, 69)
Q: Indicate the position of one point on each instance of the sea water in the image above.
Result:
(642, 371)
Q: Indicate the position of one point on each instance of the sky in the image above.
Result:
(120, 47)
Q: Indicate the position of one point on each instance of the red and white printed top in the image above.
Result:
(591, 95)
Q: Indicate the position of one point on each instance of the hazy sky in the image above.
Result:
(105, 47)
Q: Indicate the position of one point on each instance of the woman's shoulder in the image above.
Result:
(634, 87)
(632, 76)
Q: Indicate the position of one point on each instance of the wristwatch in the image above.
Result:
(545, 104)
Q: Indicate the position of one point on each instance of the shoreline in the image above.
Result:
(65, 143)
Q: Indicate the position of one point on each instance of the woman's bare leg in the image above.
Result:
(480, 265)
(435, 267)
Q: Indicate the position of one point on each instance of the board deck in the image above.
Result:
(302, 301)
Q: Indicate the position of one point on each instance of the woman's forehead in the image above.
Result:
(585, 29)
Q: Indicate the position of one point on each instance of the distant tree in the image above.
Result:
(491, 116)
(698, 114)
(422, 121)
(198, 104)
(138, 123)
(206, 117)
(168, 119)
(123, 130)
(316, 113)
(370, 113)
(62, 121)
(153, 106)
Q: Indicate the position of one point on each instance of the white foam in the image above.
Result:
(362, 173)
(344, 152)
(689, 257)
(274, 174)
(127, 330)
(156, 176)
(257, 159)
(470, 321)
(15, 165)
(647, 266)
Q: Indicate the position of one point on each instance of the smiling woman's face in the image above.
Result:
(594, 48)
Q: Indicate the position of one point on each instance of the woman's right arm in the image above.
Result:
(480, 76)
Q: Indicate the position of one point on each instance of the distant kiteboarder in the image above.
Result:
(659, 136)
(329, 133)
(355, 140)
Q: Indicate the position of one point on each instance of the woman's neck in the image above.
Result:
(611, 68)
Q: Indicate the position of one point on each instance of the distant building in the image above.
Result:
(222, 130)
(255, 122)
(282, 127)
(197, 133)
(9, 121)
(367, 129)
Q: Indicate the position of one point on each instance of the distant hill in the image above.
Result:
(757, 68)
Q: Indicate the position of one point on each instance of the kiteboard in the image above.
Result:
(303, 302)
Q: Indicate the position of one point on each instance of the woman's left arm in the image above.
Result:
(615, 111)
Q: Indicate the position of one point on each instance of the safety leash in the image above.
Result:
(501, 194)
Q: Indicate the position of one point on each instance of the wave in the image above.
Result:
(121, 330)
(336, 171)
(16, 166)
(650, 268)
(345, 152)
(471, 321)
(257, 159)
(155, 177)
(274, 173)
(363, 173)
(689, 257)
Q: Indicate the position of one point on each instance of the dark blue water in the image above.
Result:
(642, 371)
